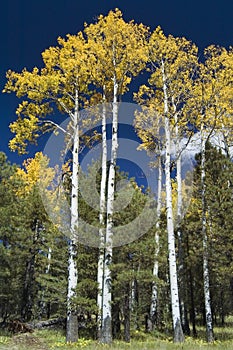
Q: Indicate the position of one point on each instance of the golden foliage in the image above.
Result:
(35, 172)
(119, 48)
(173, 64)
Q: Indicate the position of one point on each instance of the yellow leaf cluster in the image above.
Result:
(35, 172)
(119, 48)
(172, 66)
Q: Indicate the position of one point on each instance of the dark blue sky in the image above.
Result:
(28, 27)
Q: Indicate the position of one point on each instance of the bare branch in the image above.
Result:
(54, 124)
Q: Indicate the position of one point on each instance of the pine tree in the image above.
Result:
(7, 213)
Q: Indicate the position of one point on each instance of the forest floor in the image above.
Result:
(55, 340)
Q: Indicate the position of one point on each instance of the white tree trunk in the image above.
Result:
(106, 336)
(178, 332)
(43, 303)
(178, 168)
(208, 312)
(154, 296)
(134, 300)
(102, 230)
(49, 260)
(72, 320)
(180, 238)
(179, 191)
(178, 221)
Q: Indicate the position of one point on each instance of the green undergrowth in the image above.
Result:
(55, 340)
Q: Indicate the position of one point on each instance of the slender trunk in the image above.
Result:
(49, 260)
(181, 259)
(48, 313)
(208, 312)
(43, 303)
(181, 274)
(100, 273)
(180, 239)
(135, 301)
(72, 319)
(106, 336)
(179, 195)
(226, 144)
(178, 332)
(154, 298)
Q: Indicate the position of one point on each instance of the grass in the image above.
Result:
(55, 340)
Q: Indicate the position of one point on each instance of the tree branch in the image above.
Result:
(54, 124)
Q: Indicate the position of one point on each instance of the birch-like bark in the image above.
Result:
(179, 200)
(134, 300)
(181, 267)
(178, 176)
(226, 144)
(72, 320)
(180, 236)
(102, 215)
(106, 336)
(43, 303)
(154, 296)
(178, 332)
(183, 311)
(208, 312)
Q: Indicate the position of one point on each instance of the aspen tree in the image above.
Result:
(120, 50)
(173, 61)
(149, 132)
(62, 85)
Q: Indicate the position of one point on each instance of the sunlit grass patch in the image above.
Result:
(80, 344)
(4, 339)
(57, 340)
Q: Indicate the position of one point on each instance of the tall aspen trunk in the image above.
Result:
(178, 170)
(154, 297)
(181, 258)
(49, 260)
(225, 142)
(72, 319)
(179, 188)
(134, 302)
(208, 312)
(49, 256)
(177, 328)
(180, 237)
(181, 274)
(43, 303)
(102, 215)
(106, 336)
